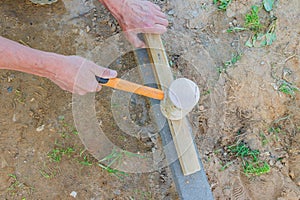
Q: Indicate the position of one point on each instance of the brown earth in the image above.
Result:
(241, 104)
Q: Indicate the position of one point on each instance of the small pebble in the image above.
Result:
(14, 118)
(117, 192)
(292, 175)
(194, 13)
(40, 128)
(234, 22)
(171, 12)
(73, 194)
(201, 108)
(113, 28)
(88, 29)
(10, 89)
(61, 117)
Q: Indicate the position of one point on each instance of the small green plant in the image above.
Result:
(264, 139)
(236, 29)
(45, 174)
(252, 19)
(16, 185)
(251, 163)
(86, 161)
(115, 158)
(263, 39)
(288, 88)
(57, 153)
(235, 57)
(222, 4)
(206, 92)
(276, 131)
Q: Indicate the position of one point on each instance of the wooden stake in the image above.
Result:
(180, 129)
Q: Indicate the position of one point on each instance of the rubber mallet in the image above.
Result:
(176, 102)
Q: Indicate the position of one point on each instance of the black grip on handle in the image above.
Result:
(102, 80)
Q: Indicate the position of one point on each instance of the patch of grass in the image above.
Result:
(110, 160)
(222, 4)
(44, 174)
(57, 153)
(17, 185)
(235, 57)
(85, 159)
(252, 20)
(251, 163)
(263, 39)
(260, 38)
(114, 159)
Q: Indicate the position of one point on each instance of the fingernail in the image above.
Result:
(113, 73)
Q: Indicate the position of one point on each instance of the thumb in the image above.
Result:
(105, 72)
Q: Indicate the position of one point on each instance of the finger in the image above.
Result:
(156, 29)
(152, 5)
(159, 14)
(134, 40)
(161, 21)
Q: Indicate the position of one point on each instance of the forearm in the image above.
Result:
(14, 56)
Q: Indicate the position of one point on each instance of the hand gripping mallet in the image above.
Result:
(176, 102)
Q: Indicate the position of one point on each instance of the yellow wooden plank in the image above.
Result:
(180, 129)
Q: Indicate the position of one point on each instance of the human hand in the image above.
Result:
(77, 75)
(137, 16)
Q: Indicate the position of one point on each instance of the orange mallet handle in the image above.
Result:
(127, 86)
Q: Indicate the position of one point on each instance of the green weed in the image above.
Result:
(288, 88)
(252, 22)
(16, 185)
(115, 158)
(46, 174)
(222, 4)
(57, 153)
(263, 39)
(251, 163)
(252, 19)
(236, 29)
(264, 139)
(207, 92)
(235, 57)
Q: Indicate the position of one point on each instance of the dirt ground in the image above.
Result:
(241, 104)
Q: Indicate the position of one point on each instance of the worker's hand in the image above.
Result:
(77, 75)
(137, 16)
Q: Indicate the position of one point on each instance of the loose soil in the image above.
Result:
(242, 104)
